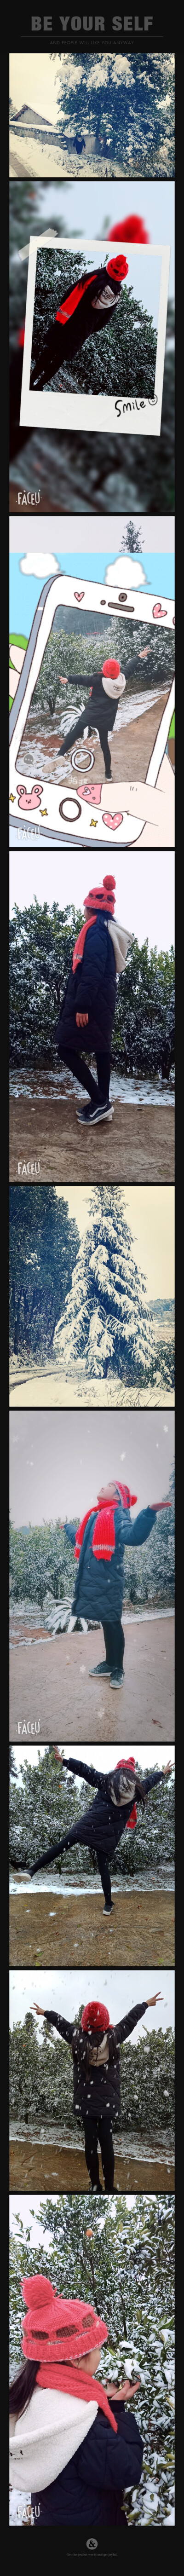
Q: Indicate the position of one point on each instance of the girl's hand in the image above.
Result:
(167, 1766)
(128, 2390)
(64, 679)
(81, 1019)
(154, 1999)
(162, 1507)
(39, 2008)
(58, 1757)
(142, 657)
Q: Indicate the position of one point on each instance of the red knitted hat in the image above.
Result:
(103, 895)
(133, 229)
(110, 670)
(67, 2326)
(95, 2016)
(117, 268)
(56, 2334)
(127, 1498)
(125, 1766)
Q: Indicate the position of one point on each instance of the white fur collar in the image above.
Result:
(46, 2437)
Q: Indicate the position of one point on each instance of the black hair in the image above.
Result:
(21, 2388)
(82, 2042)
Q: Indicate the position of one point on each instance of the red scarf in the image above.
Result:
(74, 2384)
(79, 943)
(103, 1541)
(66, 310)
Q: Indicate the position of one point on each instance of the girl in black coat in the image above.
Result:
(106, 687)
(113, 1810)
(85, 310)
(70, 2439)
(90, 999)
(95, 2048)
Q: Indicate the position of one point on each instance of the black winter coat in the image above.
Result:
(103, 1824)
(92, 988)
(89, 2491)
(100, 705)
(96, 2089)
(64, 338)
(99, 1586)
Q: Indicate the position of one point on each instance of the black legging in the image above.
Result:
(77, 1065)
(79, 728)
(114, 1644)
(76, 1835)
(94, 2129)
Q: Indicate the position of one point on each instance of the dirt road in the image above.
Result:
(46, 2165)
(53, 1929)
(130, 747)
(51, 1692)
(138, 1145)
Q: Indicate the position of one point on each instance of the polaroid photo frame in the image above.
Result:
(80, 807)
(81, 411)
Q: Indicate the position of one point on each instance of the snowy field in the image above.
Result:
(46, 1386)
(52, 1085)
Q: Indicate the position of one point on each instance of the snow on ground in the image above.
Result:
(50, 1085)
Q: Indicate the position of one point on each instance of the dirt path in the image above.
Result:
(51, 1692)
(46, 2165)
(54, 1929)
(137, 1146)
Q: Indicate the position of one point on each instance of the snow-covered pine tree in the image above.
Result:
(107, 1325)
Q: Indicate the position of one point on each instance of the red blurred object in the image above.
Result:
(133, 229)
(21, 337)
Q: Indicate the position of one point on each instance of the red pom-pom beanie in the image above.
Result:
(95, 2016)
(103, 896)
(117, 268)
(56, 2334)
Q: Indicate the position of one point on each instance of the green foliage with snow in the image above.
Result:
(43, 1243)
(41, 950)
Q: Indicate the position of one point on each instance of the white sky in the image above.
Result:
(120, 1990)
(58, 1461)
(150, 1214)
(144, 900)
(101, 1757)
(155, 535)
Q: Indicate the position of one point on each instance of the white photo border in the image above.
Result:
(67, 811)
(102, 412)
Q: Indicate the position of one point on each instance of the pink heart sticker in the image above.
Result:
(112, 821)
(78, 594)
